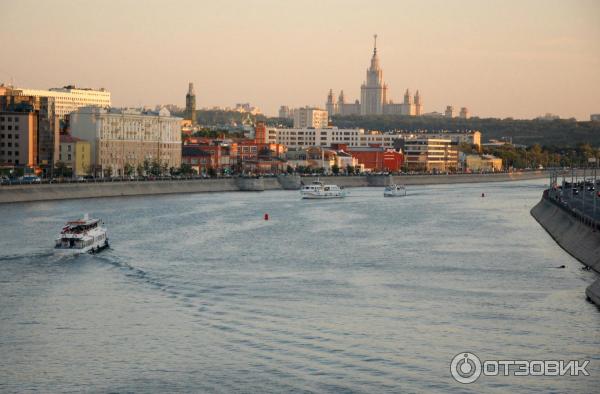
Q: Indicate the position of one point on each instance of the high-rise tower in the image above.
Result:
(418, 104)
(372, 91)
(331, 106)
(190, 104)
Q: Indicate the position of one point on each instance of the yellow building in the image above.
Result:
(75, 153)
(431, 155)
(483, 163)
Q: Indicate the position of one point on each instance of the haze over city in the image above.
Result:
(499, 58)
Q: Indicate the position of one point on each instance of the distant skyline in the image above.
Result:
(507, 58)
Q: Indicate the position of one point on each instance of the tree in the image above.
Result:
(128, 170)
(335, 169)
(108, 171)
(186, 169)
(289, 169)
(211, 172)
(140, 170)
(146, 166)
(60, 169)
(155, 168)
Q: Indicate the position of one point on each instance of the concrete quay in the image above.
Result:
(574, 235)
(59, 191)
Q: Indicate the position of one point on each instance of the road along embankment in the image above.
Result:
(575, 236)
(43, 192)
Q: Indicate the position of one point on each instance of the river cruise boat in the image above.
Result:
(394, 191)
(317, 190)
(84, 235)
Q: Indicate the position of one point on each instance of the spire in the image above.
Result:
(375, 58)
(330, 96)
(191, 89)
(375, 44)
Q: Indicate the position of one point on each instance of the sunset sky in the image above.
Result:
(500, 58)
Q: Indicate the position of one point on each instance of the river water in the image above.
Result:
(199, 294)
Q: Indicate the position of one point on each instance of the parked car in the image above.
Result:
(30, 179)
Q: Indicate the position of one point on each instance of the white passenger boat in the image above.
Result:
(394, 191)
(318, 190)
(82, 236)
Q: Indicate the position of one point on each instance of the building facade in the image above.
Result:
(48, 127)
(303, 138)
(374, 96)
(431, 155)
(483, 163)
(19, 139)
(310, 117)
(128, 137)
(75, 153)
(69, 98)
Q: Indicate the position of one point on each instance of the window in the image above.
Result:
(9, 127)
(16, 127)
(69, 157)
(69, 148)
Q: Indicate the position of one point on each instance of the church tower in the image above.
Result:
(372, 91)
(190, 104)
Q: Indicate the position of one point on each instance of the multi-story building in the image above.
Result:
(75, 153)
(374, 96)
(302, 138)
(67, 99)
(449, 112)
(285, 112)
(464, 113)
(19, 139)
(595, 117)
(485, 163)
(310, 117)
(47, 124)
(431, 154)
(128, 137)
(374, 158)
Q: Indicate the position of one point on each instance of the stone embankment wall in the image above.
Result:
(25, 193)
(574, 236)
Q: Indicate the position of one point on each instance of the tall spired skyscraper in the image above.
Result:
(190, 104)
(374, 97)
(373, 90)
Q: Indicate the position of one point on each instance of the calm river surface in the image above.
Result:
(199, 294)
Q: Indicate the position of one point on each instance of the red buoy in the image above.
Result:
(266, 216)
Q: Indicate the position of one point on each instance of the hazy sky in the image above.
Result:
(499, 58)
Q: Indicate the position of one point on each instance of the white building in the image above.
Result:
(304, 138)
(121, 138)
(308, 117)
(595, 117)
(69, 98)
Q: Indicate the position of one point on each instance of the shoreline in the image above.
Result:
(574, 236)
(67, 191)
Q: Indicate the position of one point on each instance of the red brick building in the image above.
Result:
(376, 158)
